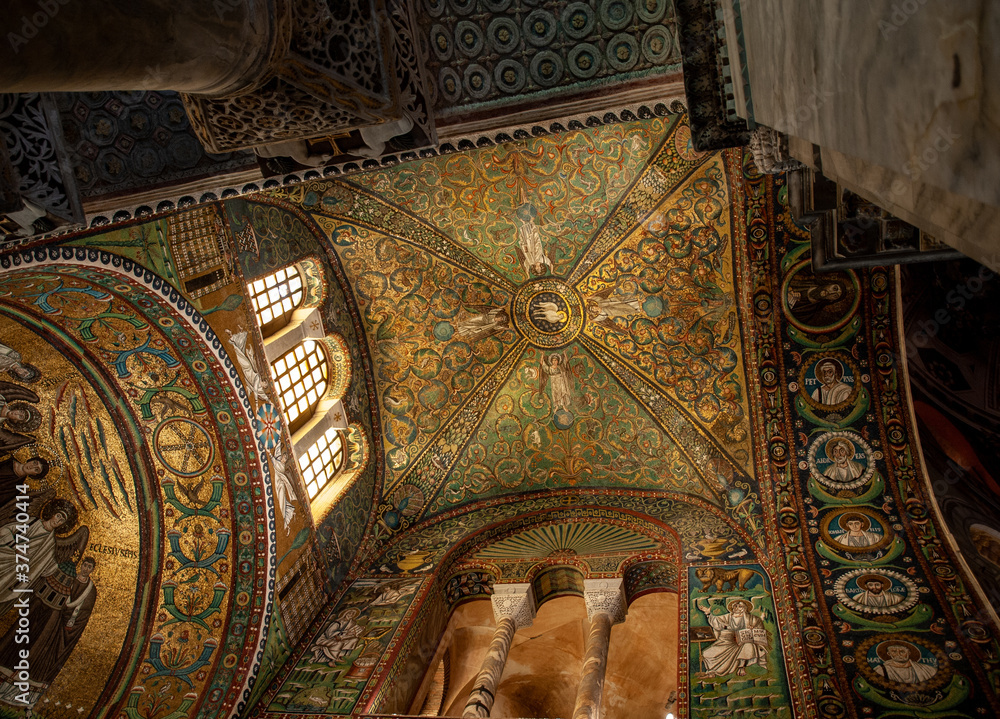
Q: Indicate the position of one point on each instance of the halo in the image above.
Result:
(837, 366)
(53, 478)
(58, 504)
(830, 445)
(33, 422)
(882, 650)
(866, 523)
(34, 374)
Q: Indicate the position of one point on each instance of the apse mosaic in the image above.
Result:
(134, 486)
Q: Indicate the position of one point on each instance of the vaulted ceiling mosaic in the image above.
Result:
(549, 313)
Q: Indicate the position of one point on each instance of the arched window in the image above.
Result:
(300, 376)
(321, 462)
(275, 297)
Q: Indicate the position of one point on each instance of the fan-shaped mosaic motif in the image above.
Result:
(581, 539)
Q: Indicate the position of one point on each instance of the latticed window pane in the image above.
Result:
(322, 461)
(275, 296)
(300, 376)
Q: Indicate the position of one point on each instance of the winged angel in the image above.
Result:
(557, 374)
(45, 540)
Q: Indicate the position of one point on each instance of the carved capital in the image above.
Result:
(606, 596)
(770, 151)
(338, 67)
(516, 601)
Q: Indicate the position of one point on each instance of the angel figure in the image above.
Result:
(529, 242)
(610, 303)
(248, 363)
(18, 415)
(13, 364)
(490, 321)
(556, 373)
(47, 542)
(284, 488)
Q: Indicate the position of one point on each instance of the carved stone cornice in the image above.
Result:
(606, 596)
(516, 601)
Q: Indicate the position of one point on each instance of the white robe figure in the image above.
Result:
(338, 640)
(284, 488)
(248, 363)
(741, 641)
(556, 370)
(529, 243)
(862, 538)
(834, 394)
(878, 599)
(44, 552)
(846, 472)
(905, 670)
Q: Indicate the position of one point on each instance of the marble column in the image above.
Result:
(513, 608)
(606, 606)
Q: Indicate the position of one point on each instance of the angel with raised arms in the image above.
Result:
(557, 374)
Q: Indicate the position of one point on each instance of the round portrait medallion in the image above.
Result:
(548, 312)
(820, 303)
(876, 591)
(856, 530)
(841, 460)
(830, 382)
(903, 663)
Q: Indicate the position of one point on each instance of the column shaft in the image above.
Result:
(595, 663)
(199, 46)
(484, 692)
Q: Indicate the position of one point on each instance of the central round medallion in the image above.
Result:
(548, 312)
